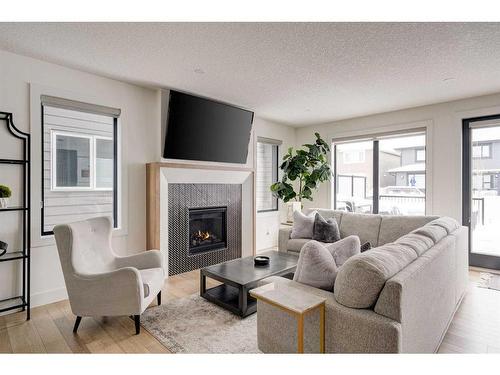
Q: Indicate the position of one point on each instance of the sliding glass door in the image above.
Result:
(381, 174)
(481, 187)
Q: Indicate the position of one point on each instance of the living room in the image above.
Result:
(249, 187)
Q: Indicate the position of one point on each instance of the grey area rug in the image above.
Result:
(194, 325)
(489, 281)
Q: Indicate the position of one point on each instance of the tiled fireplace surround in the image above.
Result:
(184, 188)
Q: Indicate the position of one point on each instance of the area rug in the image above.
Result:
(490, 281)
(194, 325)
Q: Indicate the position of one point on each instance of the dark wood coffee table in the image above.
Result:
(238, 276)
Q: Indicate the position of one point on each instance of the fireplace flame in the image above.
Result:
(202, 235)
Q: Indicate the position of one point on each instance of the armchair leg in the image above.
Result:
(77, 323)
(137, 319)
(158, 298)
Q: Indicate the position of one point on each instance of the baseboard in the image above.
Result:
(49, 296)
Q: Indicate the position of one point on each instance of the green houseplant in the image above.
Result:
(5, 194)
(303, 170)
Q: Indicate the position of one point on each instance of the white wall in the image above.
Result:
(140, 132)
(22, 80)
(444, 147)
(268, 222)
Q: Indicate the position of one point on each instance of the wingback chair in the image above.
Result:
(100, 283)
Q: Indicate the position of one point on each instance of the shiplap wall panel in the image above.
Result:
(65, 207)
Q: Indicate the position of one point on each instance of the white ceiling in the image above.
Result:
(294, 73)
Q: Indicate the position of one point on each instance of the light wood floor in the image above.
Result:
(475, 328)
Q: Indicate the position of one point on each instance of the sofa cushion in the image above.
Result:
(434, 232)
(392, 227)
(296, 244)
(344, 249)
(316, 266)
(362, 277)
(325, 230)
(152, 280)
(447, 223)
(365, 226)
(303, 225)
(417, 242)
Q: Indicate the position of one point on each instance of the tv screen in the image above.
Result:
(206, 130)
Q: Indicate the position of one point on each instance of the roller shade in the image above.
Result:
(79, 106)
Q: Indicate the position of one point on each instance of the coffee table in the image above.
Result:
(238, 276)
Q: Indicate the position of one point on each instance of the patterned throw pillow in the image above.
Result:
(325, 230)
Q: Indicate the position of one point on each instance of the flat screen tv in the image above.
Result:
(206, 130)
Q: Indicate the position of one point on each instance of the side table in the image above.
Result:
(294, 302)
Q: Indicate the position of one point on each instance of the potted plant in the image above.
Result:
(303, 171)
(5, 194)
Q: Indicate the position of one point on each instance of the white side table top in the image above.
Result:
(288, 298)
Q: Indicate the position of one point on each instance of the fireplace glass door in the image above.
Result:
(207, 229)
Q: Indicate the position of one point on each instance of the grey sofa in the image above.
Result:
(398, 297)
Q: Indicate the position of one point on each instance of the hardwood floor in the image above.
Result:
(475, 328)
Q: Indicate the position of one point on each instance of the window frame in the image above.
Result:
(276, 144)
(117, 224)
(417, 159)
(92, 162)
(375, 138)
(481, 145)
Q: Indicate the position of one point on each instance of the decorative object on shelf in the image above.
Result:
(5, 194)
(21, 301)
(3, 248)
(261, 260)
(309, 167)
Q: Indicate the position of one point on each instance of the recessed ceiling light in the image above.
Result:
(199, 71)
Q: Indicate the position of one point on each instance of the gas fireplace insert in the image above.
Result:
(207, 229)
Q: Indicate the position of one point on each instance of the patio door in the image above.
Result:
(481, 189)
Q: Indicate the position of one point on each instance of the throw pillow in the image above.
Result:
(303, 225)
(316, 266)
(365, 246)
(325, 230)
(344, 249)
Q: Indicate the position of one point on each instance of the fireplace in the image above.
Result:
(207, 229)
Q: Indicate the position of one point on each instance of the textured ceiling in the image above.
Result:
(294, 73)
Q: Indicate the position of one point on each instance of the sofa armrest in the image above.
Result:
(144, 260)
(284, 236)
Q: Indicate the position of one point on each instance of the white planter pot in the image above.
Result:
(291, 207)
(4, 202)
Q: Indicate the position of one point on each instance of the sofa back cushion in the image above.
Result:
(393, 227)
(362, 277)
(419, 243)
(365, 226)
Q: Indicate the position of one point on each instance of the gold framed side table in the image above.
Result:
(296, 303)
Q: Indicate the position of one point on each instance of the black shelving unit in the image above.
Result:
(22, 301)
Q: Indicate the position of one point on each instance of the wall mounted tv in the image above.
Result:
(206, 130)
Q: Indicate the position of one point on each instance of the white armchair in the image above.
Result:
(100, 283)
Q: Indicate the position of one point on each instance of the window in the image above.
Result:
(481, 151)
(80, 162)
(354, 156)
(390, 179)
(267, 174)
(420, 155)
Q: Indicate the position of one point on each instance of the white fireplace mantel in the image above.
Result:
(160, 175)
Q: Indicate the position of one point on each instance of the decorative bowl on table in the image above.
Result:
(261, 260)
